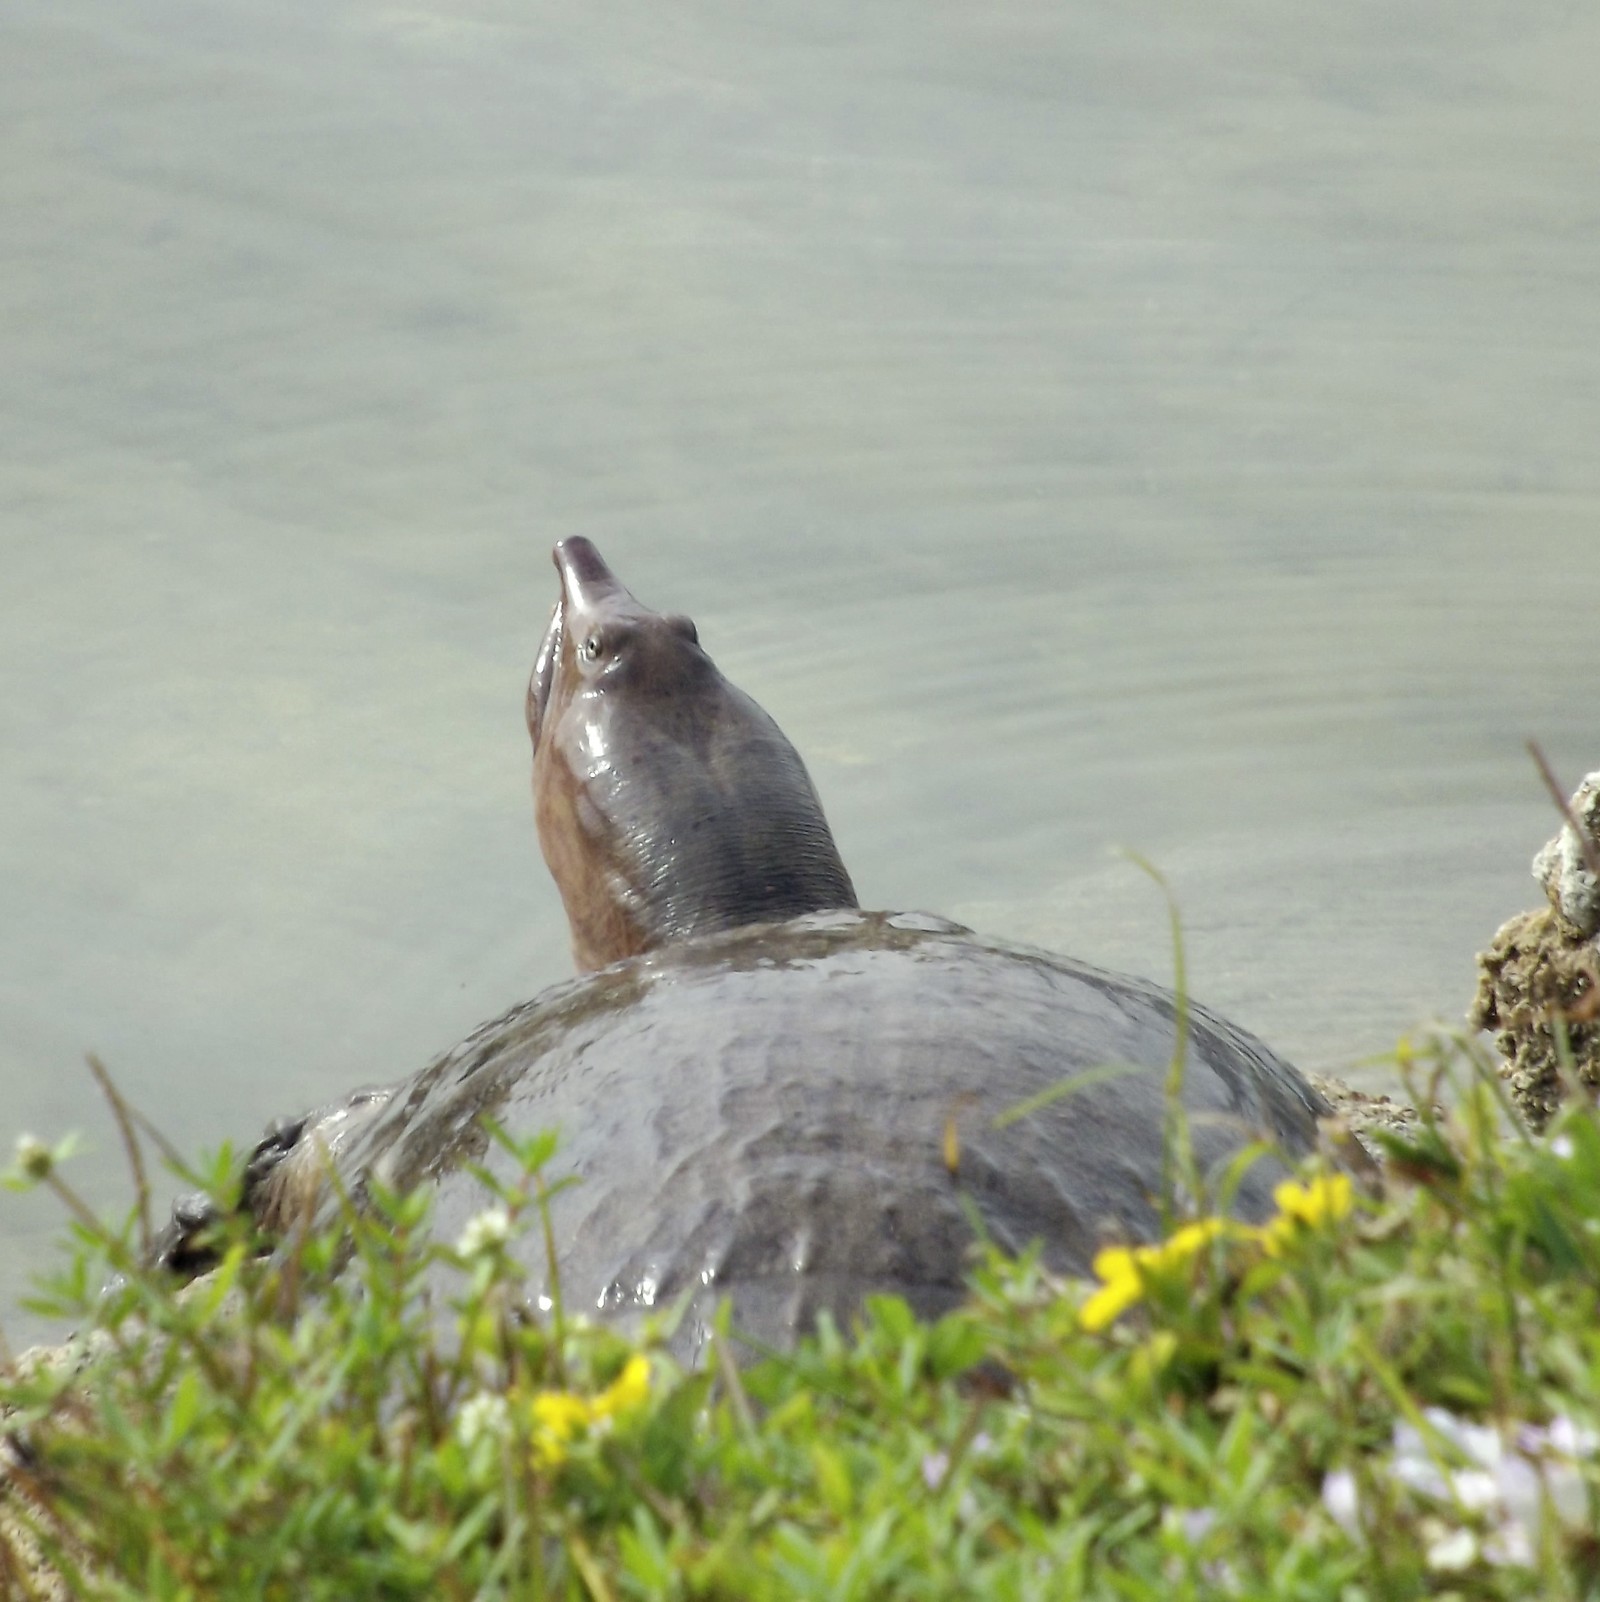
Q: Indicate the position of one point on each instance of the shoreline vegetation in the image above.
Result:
(1387, 1389)
(1370, 1396)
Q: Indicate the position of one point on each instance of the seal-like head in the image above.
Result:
(668, 803)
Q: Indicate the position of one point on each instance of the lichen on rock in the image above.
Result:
(1363, 1114)
(1564, 868)
(1540, 979)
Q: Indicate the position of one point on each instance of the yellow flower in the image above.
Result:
(1125, 1271)
(1122, 1288)
(1184, 1243)
(1327, 1198)
(627, 1391)
(559, 1415)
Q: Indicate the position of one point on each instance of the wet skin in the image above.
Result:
(668, 803)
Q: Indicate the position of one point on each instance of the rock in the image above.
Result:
(1360, 1113)
(1538, 982)
(1562, 867)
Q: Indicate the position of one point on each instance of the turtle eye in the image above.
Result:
(592, 648)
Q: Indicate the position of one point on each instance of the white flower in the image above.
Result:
(1479, 1442)
(1515, 1482)
(485, 1232)
(1452, 1552)
(1474, 1489)
(1420, 1474)
(1509, 1546)
(1342, 1500)
(1520, 1491)
(1574, 1440)
(1561, 1146)
(1547, 1456)
(482, 1417)
(1416, 1460)
(1568, 1493)
(1511, 1484)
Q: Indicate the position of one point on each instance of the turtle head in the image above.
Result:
(600, 638)
(668, 803)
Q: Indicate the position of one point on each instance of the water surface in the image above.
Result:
(1081, 426)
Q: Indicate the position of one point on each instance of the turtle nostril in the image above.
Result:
(578, 558)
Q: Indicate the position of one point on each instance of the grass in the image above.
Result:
(1369, 1399)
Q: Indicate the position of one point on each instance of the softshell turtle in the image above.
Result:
(764, 1092)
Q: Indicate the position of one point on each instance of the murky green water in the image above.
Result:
(1080, 425)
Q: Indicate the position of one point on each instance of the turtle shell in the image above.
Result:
(767, 1114)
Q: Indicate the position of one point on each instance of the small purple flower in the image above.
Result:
(934, 1468)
